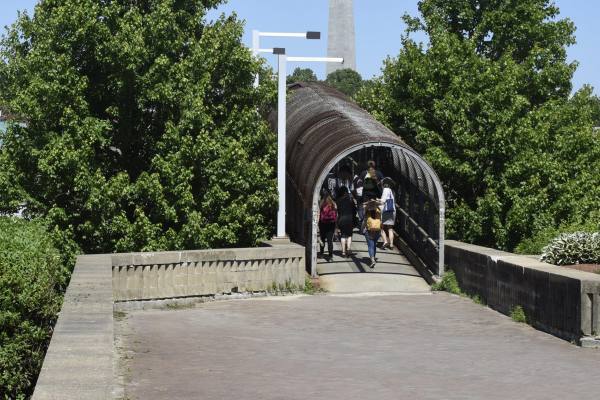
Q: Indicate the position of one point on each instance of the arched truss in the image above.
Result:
(325, 127)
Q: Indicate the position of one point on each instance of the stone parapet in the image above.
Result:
(79, 360)
(153, 276)
(563, 302)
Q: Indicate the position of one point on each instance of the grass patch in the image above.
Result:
(310, 288)
(119, 315)
(518, 315)
(180, 306)
(448, 284)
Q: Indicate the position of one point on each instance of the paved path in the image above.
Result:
(349, 347)
(393, 272)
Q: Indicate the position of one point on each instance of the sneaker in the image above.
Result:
(372, 265)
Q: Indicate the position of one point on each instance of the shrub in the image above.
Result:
(573, 248)
(540, 239)
(32, 280)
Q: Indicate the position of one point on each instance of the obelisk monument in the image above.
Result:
(341, 37)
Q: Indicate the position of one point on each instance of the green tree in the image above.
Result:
(345, 80)
(143, 129)
(302, 75)
(596, 117)
(488, 104)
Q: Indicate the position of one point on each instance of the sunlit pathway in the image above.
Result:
(349, 347)
(393, 272)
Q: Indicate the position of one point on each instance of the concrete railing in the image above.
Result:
(149, 276)
(560, 301)
(81, 360)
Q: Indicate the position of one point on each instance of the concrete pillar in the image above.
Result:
(341, 40)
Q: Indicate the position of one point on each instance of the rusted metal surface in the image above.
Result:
(324, 127)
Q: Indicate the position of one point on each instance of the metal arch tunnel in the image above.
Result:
(324, 127)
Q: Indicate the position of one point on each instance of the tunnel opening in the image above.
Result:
(325, 130)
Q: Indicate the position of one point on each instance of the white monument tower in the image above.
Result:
(341, 37)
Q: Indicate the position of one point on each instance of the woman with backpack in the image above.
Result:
(327, 224)
(345, 222)
(388, 217)
(372, 228)
(371, 182)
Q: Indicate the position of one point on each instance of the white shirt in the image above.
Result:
(387, 194)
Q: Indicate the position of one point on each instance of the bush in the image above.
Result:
(33, 277)
(573, 248)
(540, 239)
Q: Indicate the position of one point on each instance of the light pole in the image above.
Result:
(282, 60)
(256, 35)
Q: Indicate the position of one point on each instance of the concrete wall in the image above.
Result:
(79, 360)
(148, 276)
(563, 302)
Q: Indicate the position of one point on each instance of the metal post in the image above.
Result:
(281, 141)
(255, 47)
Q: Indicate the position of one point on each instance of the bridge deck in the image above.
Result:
(393, 272)
(348, 347)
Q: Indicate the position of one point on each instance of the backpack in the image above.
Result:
(328, 214)
(389, 203)
(369, 184)
(373, 224)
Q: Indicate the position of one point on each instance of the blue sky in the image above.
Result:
(378, 29)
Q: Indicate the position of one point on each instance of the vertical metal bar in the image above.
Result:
(255, 47)
(281, 142)
(314, 240)
(441, 261)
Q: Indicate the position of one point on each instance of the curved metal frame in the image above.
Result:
(422, 163)
(324, 127)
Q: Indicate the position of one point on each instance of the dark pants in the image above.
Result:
(327, 229)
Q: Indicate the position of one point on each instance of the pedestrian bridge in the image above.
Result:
(324, 129)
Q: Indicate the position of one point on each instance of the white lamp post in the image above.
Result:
(282, 60)
(282, 128)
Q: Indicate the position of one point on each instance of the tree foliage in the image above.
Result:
(488, 104)
(33, 276)
(143, 129)
(345, 80)
(302, 75)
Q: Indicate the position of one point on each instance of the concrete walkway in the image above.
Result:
(393, 272)
(348, 347)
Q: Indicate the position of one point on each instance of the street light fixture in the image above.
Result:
(256, 35)
(282, 60)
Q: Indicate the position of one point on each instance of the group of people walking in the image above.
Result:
(365, 201)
